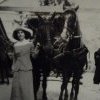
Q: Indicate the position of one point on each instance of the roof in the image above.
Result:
(28, 5)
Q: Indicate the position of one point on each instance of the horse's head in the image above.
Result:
(71, 24)
(45, 28)
(70, 19)
(71, 30)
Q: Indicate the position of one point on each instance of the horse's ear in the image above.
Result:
(76, 8)
(39, 16)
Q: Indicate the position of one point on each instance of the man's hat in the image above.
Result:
(28, 32)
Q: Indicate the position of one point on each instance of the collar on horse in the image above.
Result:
(72, 35)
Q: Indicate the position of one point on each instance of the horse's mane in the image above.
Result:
(78, 30)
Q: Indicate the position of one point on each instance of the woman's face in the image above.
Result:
(21, 35)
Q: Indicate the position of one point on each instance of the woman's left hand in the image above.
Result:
(35, 50)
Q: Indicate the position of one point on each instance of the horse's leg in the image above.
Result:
(2, 74)
(66, 90)
(6, 70)
(36, 82)
(44, 85)
(7, 77)
(76, 88)
(64, 87)
(62, 90)
(72, 89)
(2, 77)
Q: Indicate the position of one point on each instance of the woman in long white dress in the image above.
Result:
(22, 85)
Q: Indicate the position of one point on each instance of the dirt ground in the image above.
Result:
(88, 91)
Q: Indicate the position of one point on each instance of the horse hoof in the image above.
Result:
(44, 98)
(75, 98)
(60, 98)
(66, 98)
(35, 98)
(71, 96)
(7, 82)
(2, 82)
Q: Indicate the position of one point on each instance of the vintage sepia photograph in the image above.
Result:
(49, 50)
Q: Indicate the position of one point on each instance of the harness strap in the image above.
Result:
(77, 36)
(77, 49)
(71, 36)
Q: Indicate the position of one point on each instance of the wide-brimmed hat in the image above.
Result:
(28, 32)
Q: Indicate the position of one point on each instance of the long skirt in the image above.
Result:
(22, 86)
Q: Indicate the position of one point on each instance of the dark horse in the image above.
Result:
(42, 64)
(46, 29)
(73, 54)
